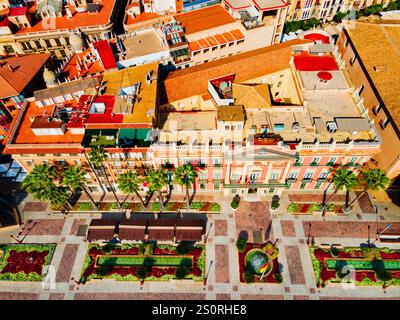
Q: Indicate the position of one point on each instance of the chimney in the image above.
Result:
(10, 68)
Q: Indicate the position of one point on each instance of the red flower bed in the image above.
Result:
(131, 251)
(389, 256)
(360, 275)
(345, 255)
(125, 271)
(159, 272)
(321, 254)
(163, 251)
(25, 262)
(395, 274)
(206, 207)
(327, 275)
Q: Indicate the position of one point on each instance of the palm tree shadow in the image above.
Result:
(193, 193)
(148, 197)
(168, 197)
(267, 233)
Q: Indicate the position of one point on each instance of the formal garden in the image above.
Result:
(199, 206)
(369, 266)
(25, 262)
(258, 263)
(144, 262)
(310, 208)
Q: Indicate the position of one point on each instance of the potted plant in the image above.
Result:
(275, 203)
(235, 202)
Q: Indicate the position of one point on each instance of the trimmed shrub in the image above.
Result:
(278, 277)
(247, 276)
(184, 247)
(241, 244)
(182, 272)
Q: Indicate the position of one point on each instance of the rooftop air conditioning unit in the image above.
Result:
(331, 126)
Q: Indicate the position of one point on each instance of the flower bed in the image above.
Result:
(372, 266)
(153, 206)
(25, 262)
(310, 208)
(271, 277)
(122, 262)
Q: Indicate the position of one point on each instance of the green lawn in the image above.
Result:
(363, 264)
(131, 261)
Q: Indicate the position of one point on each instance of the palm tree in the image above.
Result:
(156, 180)
(342, 179)
(185, 175)
(97, 155)
(59, 197)
(40, 182)
(74, 178)
(129, 183)
(374, 179)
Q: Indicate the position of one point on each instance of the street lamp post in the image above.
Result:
(369, 235)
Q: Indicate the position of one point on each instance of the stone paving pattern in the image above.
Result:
(291, 231)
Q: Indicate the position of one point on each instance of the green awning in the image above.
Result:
(143, 134)
(127, 134)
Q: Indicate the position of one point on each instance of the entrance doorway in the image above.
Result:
(252, 191)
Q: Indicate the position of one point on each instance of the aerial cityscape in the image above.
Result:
(199, 150)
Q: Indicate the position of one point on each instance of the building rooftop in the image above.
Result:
(269, 4)
(188, 121)
(83, 64)
(78, 19)
(378, 46)
(17, 71)
(144, 42)
(140, 82)
(246, 66)
(106, 54)
(25, 135)
(309, 62)
(202, 19)
(66, 88)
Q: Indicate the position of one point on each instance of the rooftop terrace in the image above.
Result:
(78, 19)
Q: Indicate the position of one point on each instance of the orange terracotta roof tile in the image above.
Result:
(203, 43)
(220, 39)
(245, 66)
(25, 134)
(203, 19)
(141, 17)
(79, 19)
(194, 46)
(212, 41)
(71, 71)
(238, 35)
(228, 37)
(17, 72)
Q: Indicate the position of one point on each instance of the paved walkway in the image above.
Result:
(221, 259)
